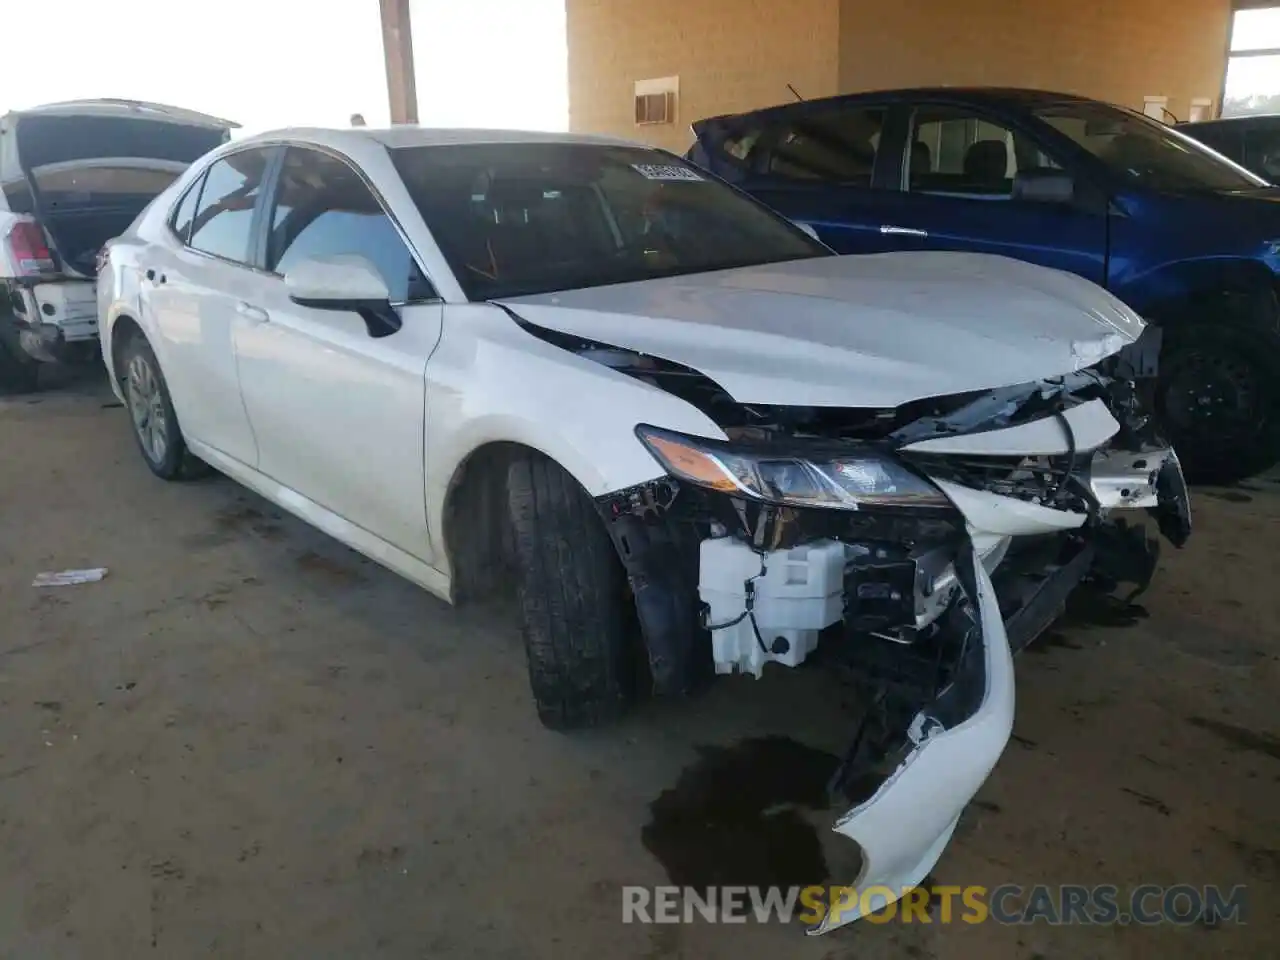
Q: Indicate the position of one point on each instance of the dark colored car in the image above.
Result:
(1187, 238)
(1252, 142)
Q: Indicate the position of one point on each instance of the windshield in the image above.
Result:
(522, 218)
(1146, 150)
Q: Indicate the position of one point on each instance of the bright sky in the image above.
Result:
(272, 63)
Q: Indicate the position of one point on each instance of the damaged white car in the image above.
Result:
(680, 424)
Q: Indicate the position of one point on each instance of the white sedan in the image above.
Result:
(681, 425)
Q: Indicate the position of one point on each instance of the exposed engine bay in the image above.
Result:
(913, 548)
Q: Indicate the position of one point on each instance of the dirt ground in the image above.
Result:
(247, 741)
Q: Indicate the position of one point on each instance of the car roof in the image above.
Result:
(409, 135)
(976, 95)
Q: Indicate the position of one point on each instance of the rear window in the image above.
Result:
(73, 159)
(44, 140)
(838, 146)
(517, 219)
(110, 178)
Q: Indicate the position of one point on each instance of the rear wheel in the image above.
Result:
(1220, 396)
(155, 425)
(575, 608)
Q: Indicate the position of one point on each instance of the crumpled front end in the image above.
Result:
(914, 549)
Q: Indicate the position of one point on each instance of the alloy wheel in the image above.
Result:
(146, 405)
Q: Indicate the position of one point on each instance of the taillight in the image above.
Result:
(29, 250)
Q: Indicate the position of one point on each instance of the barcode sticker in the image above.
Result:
(665, 171)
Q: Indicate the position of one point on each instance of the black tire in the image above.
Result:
(169, 460)
(1219, 398)
(18, 372)
(574, 605)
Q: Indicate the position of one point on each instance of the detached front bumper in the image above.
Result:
(904, 827)
(953, 743)
(923, 608)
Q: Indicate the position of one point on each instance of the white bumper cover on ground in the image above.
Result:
(903, 829)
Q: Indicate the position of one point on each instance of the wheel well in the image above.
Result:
(476, 527)
(122, 331)
(1239, 292)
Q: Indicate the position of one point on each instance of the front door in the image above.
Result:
(339, 415)
(961, 190)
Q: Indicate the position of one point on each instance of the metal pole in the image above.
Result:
(397, 49)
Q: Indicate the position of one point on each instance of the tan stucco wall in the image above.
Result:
(1121, 50)
(733, 55)
(730, 55)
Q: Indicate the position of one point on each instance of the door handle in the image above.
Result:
(251, 313)
(890, 230)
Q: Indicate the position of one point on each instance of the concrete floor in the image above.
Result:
(248, 741)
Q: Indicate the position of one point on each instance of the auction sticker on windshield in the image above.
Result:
(665, 171)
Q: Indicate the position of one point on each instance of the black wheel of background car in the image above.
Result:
(574, 604)
(155, 425)
(1220, 401)
(18, 372)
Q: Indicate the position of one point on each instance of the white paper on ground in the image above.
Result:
(67, 578)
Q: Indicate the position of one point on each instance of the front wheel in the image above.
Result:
(574, 601)
(1220, 399)
(155, 425)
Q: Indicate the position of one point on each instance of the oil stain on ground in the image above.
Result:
(734, 816)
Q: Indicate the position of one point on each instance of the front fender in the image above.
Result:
(490, 381)
(1239, 289)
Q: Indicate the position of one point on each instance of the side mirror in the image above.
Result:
(1044, 186)
(346, 282)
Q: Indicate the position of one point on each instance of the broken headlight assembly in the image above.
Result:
(793, 475)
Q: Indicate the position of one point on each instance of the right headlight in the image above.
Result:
(838, 481)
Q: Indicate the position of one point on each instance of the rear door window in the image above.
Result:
(223, 223)
(185, 211)
(837, 146)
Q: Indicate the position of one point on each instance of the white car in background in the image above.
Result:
(72, 176)
(677, 420)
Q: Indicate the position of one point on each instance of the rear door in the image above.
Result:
(195, 284)
(960, 189)
(817, 164)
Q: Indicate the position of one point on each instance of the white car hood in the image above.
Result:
(854, 331)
